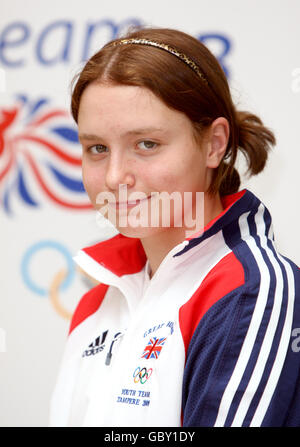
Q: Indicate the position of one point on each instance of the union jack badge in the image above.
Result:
(153, 348)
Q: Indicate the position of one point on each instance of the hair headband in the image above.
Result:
(167, 48)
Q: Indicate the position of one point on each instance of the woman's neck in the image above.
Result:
(158, 245)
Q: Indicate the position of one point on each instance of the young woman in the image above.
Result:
(189, 326)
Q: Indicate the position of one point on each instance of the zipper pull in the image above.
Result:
(117, 336)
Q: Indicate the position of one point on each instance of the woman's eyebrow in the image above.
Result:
(88, 136)
(139, 131)
(143, 130)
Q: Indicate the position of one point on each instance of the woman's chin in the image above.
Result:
(139, 232)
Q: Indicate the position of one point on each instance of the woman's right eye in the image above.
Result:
(97, 149)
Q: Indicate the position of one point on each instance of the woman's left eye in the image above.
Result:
(147, 144)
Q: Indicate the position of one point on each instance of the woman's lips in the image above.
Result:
(128, 204)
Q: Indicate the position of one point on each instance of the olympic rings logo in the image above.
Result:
(141, 375)
(59, 282)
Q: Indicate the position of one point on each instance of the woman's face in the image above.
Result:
(133, 143)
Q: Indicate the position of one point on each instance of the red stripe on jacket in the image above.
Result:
(89, 304)
(226, 276)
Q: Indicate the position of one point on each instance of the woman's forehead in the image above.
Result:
(120, 97)
(130, 109)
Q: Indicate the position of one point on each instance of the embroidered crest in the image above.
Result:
(153, 348)
(141, 374)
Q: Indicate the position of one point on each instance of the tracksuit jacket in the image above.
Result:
(213, 339)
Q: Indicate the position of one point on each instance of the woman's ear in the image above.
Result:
(218, 136)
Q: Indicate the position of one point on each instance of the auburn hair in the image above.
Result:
(180, 88)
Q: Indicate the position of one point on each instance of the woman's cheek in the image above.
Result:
(90, 182)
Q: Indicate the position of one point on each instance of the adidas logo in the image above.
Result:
(96, 346)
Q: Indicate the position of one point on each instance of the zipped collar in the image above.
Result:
(121, 255)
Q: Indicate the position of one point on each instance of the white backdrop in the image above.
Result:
(43, 214)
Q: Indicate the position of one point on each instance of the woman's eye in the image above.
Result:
(97, 149)
(147, 145)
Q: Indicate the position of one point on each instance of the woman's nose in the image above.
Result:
(119, 172)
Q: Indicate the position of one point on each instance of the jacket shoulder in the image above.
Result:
(226, 276)
(89, 304)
